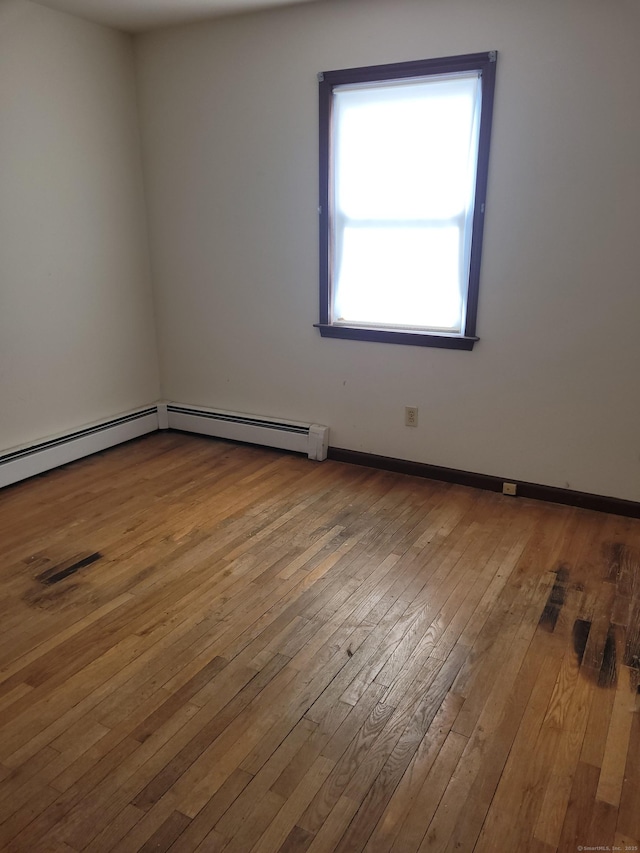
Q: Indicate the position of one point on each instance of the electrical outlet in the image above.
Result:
(509, 489)
(411, 416)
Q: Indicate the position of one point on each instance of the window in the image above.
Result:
(404, 152)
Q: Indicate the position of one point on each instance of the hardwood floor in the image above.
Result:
(216, 647)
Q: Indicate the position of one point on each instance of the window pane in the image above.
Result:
(404, 153)
(400, 276)
(405, 150)
(404, 178)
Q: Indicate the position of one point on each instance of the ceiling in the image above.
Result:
(139, 15)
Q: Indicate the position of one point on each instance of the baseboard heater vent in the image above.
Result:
(311, 439)
(27, 461)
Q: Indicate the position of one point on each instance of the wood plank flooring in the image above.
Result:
(214, 647)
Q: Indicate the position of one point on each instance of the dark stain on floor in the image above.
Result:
(50, 599)
(555, 601)
(581, 630)
(608, 675)
(60, 572)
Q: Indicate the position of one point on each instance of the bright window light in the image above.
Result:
(404, 178)
(401, 161)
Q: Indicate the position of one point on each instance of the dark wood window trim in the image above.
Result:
(485, 63)
(392, 336)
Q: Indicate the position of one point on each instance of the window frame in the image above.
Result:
(485, 63)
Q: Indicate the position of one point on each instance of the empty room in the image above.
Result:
(320, 426)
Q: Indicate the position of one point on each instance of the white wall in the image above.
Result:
(77, 339)
(551, 392)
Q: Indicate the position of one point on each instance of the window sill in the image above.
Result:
(391, 336)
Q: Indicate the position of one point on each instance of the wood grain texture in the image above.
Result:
(216, 647)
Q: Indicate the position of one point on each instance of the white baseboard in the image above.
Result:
(23, 462)
(310, 439)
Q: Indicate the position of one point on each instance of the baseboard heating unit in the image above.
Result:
(311, 439)
(22, 462)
